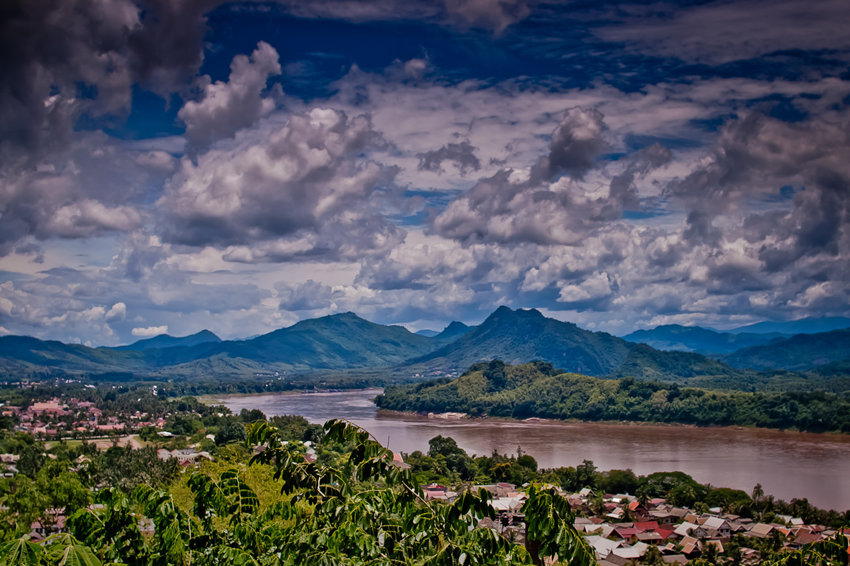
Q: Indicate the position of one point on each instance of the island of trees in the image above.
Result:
(539, 390)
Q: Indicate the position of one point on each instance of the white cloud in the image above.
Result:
(148, 331)
(298, 188)
(118, 311)
(227, 107)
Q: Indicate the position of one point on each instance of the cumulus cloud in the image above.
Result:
(575, 145)
(226, 107)
(148, 331)
(594, 288)
(118, 311)
(308, 296)
(78, 194)
(549, 204)
(753, 159)
(302, 186)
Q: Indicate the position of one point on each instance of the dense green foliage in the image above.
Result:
(361, 510)
(351, 505)
(536, 390)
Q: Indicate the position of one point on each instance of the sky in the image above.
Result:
(175, 165)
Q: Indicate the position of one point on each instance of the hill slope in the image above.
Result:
(337, 341)
(26, 354)
(167, 341)
(524, 335)
(800, 352)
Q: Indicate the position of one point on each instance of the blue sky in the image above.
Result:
(240, 166)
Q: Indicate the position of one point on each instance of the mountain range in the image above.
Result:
(709, 341)
(343, 342)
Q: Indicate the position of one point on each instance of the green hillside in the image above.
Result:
(645, 362)
(538, 390)
(518, 336)
(333, 342)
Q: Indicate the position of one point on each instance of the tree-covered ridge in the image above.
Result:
(538, 390)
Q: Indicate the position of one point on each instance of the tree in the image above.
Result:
(230, 430)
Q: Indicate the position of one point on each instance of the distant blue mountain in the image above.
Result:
(801, 326)
(452, 332)
(427, 332)
(166, 341)
(697, 339)
(797, 353)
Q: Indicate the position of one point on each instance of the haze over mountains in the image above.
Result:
(709, 341)
(347, 342)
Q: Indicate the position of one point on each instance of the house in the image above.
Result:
(691, 547)
(724, 530)
(803, 538)
(687, 529)
(760, 530)
(663, 517)
(398, 461)
(625, 555)
(602, 545)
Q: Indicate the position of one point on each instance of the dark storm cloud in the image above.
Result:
(310, 295)
(575, 145)
(463, 154)
(753, 159)
(60, 59)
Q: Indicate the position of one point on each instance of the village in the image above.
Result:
(621, 528)
(629, 532)
(73, 418)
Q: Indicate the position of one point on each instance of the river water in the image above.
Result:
(787, 464)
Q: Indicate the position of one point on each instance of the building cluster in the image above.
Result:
(57, 418)
(624, 529)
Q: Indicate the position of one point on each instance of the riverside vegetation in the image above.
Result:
(539, 390)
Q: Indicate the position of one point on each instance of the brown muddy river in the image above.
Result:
(787, 464)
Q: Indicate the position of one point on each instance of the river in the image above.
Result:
(787, 464)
